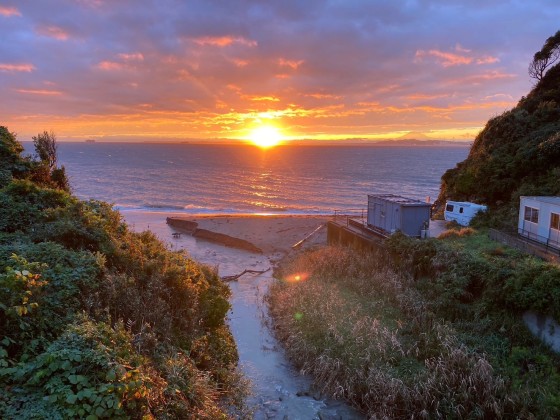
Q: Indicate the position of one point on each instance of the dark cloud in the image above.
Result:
(215, 65)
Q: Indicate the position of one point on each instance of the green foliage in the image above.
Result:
(91, 370)
(13, 165)
(517, 153)
(97, 321)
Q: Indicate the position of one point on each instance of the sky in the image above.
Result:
(167, 70)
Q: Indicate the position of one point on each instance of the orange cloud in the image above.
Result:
(456, 58)
(323, 96)
(40, 92)
(424, 96)
(9, 11)
(261, 98)
(480, 78)
(224, 41)
(53, 32)
(447, 59)
(27, 68)
(290, 63)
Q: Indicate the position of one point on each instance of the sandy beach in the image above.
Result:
(275, 235)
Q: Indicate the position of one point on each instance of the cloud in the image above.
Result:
(309, 65)
(45, 92)
(459, 57)
(11, 68)
(55, 32)
(223, 41)
(9, 11)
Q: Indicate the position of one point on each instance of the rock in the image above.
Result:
(302, 394)
(317, 396)
(326, 415)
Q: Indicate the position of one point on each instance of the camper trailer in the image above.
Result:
(539, 219)
(462, 212)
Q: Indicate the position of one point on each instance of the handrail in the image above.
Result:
(551, 245)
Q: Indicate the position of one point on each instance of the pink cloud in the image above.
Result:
(293, 64)
(477, 79)
(54, 32)
(9, 11)
(487, 60)
(132, 57)
(110, 65)
(45, 92)
(26, 68)
(224, 41)
(127, 60)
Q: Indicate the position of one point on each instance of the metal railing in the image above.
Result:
(550, 244)
(351, 216)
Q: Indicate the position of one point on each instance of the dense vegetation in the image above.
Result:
(517, 153)
(97, 321)
(423, 329)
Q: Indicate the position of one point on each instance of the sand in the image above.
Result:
(274, 235)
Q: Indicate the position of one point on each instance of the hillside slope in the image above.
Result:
(517, 153)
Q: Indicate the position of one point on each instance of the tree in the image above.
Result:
(45, 147)
(546, 57)
(46, 172)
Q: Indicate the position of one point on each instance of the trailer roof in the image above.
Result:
(400, 200)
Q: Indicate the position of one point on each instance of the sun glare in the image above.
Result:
(266, 137)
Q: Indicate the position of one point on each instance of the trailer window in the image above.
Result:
(460, 209)
(449, 207)
(555, 221)
(531, 214)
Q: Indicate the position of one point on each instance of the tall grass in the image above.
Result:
(369, 335)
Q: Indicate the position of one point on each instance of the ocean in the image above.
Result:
(233, 179)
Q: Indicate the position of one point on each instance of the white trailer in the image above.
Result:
(462, 212)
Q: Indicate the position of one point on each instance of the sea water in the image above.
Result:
(198, 179)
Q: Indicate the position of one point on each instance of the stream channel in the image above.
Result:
(278, 391)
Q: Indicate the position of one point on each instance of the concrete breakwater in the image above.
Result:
(191, 228)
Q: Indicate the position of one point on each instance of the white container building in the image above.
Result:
(539, 219)
(462, 212)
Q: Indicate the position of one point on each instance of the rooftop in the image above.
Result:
(399, 199)
(544, 199)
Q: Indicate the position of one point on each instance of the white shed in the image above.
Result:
(539, 220)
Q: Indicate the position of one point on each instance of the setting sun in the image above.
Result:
(266, 137)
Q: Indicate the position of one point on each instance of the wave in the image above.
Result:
(200, 210)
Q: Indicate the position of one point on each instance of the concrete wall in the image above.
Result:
(524, 246)
(343, 235)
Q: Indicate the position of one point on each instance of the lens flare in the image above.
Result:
(297, 277)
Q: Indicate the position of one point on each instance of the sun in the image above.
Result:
(266, 136)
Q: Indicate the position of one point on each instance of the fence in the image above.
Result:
(526, 245)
